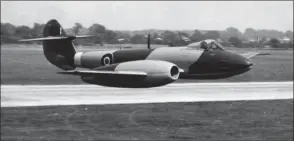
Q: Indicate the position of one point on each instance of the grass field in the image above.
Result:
(26, 64)
(240, 120)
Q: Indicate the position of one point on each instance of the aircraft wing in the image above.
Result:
(96, 72)
(250, 54)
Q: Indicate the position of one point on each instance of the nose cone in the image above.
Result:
(247, 63)
(238, 61)
(242, 62)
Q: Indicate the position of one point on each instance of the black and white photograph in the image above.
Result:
(146, 70)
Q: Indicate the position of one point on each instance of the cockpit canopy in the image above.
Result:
(209, 45)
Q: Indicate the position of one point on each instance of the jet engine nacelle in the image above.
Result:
(158, 73)
(93, 59)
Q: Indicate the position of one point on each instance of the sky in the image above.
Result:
(169, 15)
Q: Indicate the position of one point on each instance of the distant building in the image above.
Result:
(159, 39)
(285, 40)
(121, 40)
(219, 40)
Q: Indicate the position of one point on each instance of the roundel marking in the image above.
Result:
(106, 60)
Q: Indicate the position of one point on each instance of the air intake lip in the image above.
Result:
(174, 72)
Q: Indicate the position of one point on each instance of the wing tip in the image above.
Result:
(67, 72)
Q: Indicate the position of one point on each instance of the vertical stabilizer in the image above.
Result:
(59, 52)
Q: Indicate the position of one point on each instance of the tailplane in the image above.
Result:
(57, 45)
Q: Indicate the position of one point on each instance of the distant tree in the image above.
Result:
(23, 32)
(123, 35)
(7, 29)
(138, 39)
(212, 35)
(156, 39)
(77, 28)
(289, 34)
(98, 32)
(37, 30)
(7, 33)
(170, 38)
(270, 33)
(235, 41)
(154, 35)
(274, 42)
(262, 40)
(184, 39)
(110, 37)
(197, 36)
(233, 32)
(183, 34)
(97, 28)
(250, 33)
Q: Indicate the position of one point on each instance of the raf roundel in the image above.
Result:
(106, 61)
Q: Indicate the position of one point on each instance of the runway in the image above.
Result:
(45, 95)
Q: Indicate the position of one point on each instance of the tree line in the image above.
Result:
(101, 35)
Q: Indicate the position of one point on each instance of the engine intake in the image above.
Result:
(174, 72)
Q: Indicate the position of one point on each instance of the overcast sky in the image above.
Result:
(136, 15)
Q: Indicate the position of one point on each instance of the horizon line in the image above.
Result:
(31, 26)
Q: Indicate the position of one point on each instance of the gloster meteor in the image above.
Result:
(141, 68)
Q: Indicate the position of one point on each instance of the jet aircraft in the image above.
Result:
(141, 68)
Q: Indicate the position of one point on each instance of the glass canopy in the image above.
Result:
(209, 45)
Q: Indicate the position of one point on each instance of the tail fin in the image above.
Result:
(58, 52)
(57, 45)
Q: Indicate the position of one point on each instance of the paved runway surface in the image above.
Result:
(42, 95)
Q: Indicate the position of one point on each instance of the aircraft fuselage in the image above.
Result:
(196, 63)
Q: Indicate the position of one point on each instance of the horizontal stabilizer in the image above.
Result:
(94, 72)
(55, 38)
(43, 39)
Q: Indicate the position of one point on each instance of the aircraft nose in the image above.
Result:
(248, 63)
(240, 62)
(244, 63)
